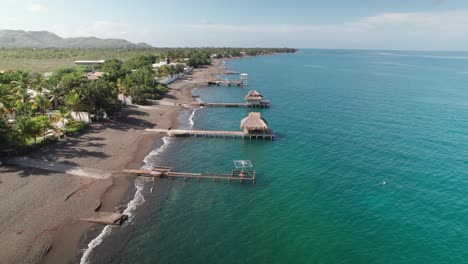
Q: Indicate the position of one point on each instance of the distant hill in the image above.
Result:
(45, 39)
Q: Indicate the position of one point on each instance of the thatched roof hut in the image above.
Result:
(253, 96)
(254, 123)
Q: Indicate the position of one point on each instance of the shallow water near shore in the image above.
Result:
(369, 166)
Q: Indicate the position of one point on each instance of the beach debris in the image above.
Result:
(107, 218)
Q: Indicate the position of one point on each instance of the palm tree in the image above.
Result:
(38, 83)
(43, 124)
(62, 114)
(42, 103)
(6, 101)
(124, 86)
(28, 128)
(55, 91)
(73, 102)
(22, 96)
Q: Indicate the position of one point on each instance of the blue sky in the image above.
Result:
(352, 24)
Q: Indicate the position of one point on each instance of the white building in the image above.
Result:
(89, 62)
(159, 64)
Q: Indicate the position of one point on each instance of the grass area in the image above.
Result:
(43, 141)
(34, 65)
(69, 130)
(74, 127)
(40, 141)
(48, 60)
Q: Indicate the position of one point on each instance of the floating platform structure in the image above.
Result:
(252, 99)
(243, 81)
(243, 172)
(254, 127)
(226, 82)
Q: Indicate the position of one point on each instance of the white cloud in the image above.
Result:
(415, 30)
(104, 29)
(37, 8)
(445, 20)
(442, 21)
(100, 29)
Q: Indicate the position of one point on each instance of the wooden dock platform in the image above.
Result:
(228, 83)
(265, 104)
(212, 133)
(166, 172)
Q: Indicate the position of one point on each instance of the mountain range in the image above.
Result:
(46, 39)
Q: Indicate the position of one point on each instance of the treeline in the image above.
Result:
(124, 54)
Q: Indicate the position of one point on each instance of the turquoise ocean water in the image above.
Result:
(370, 165)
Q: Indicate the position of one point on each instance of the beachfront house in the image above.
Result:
(159, 64)
(171, 77)
(254, 124)
(89, 62)
(168, 63)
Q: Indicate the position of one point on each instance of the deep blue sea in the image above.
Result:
(370, 165)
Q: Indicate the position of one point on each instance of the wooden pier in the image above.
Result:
(269, 135)
(264, 104)
(166, 172)
(228, 83)
(252, 99)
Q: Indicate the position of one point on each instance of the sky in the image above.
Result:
(333, 24)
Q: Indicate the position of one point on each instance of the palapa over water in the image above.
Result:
(254, 124)
(255, 99)
(253, 95)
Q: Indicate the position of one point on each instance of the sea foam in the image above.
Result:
(151, 159)
(137, 200)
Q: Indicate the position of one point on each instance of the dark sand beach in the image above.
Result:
(41, 209)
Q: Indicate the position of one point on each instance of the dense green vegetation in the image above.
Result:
(43, 105)
(36, 105)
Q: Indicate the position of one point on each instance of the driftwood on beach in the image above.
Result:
(107, 218)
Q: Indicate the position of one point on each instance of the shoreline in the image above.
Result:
(112, 146)
(185, 87)
(121, 193)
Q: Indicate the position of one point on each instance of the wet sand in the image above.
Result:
(41, 210)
